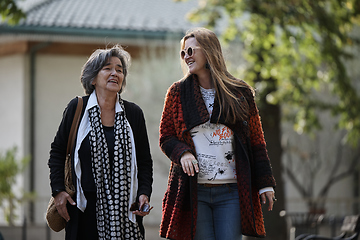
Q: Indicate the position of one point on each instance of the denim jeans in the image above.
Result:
(218, 213)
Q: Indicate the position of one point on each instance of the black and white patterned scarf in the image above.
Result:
(113, 185)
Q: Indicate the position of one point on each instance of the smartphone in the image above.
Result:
(145, 208)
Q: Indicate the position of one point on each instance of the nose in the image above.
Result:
(186, 56)
(113, 72)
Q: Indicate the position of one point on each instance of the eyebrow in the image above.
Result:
(108, 63)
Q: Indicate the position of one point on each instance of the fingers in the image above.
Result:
(263, 198)
(142, 214)
(144, 206)
(189, 164)
(143, 199)
(196, 165)
(271, 201)
(270, 196)
(61, 200)
(70, 200)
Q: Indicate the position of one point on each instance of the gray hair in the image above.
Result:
(97, 61)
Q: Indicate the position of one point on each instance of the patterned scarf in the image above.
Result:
(113, 185)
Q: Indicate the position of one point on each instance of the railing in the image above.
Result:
(333, 206)
(327, 221)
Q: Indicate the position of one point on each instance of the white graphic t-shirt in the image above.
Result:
(213, 147)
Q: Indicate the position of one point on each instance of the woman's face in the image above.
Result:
(196, 62)
(110, 77)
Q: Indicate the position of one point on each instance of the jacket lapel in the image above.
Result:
(193, 106)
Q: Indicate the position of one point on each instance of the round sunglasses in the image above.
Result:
(189, 51)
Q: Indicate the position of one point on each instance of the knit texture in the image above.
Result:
(184, 108)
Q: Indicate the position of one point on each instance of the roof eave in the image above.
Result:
(91, 32)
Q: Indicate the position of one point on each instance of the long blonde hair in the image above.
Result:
(226, 85)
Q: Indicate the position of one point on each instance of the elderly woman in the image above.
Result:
(112, 165)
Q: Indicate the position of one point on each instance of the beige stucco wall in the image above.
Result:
(12, 98)
(57, 82)
(13, 113)
(149, 78)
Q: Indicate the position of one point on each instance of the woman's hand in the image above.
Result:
(270, 195)
(143, 201)
(61, 200)
(189, 164)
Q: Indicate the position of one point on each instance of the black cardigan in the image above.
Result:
(56, 161)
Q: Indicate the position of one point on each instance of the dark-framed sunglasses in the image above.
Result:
(189, 51)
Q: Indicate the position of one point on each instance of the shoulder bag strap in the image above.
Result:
(69, 186)
(74, 126)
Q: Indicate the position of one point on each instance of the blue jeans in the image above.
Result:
(218, 213)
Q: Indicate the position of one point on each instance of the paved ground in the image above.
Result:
(152, 233)
(43, 233)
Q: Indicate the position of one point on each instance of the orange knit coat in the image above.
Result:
(184, 108)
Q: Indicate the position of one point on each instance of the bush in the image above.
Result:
(10, 167)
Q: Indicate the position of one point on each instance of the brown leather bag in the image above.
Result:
(53, 218)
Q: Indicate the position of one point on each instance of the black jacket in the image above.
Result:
(56, 161)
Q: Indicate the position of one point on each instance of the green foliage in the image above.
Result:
(296, 51)
(10, 167)
(10, 12)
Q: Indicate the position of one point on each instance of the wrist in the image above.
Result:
(56, 192)
(144, 196)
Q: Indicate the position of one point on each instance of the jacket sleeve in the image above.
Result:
(56, 161)
(261, 162)
(143, 156)
(170, 126)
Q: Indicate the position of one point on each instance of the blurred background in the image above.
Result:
(302, 58)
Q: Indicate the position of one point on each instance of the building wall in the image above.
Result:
(150, 75)
(57, 82)
(13, 112)
(12, 77)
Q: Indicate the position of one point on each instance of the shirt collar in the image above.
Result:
(93, 102)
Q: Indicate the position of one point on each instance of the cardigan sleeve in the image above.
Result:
(262, 167)
(170, 130)
(56, 161)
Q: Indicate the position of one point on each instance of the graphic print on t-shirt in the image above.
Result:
(214, 151)
(213, 147)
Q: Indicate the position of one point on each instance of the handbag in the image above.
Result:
(53, 218)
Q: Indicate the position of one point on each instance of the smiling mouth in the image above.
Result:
(112, 81)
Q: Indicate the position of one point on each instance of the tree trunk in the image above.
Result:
(271, 120)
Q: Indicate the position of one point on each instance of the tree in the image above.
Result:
(292, 49)
(319, 164)
(10, 12)
(10, 167)
(297, 46)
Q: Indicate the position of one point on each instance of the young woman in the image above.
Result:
(211, 131)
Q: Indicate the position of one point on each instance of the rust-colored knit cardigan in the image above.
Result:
(184, 108)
